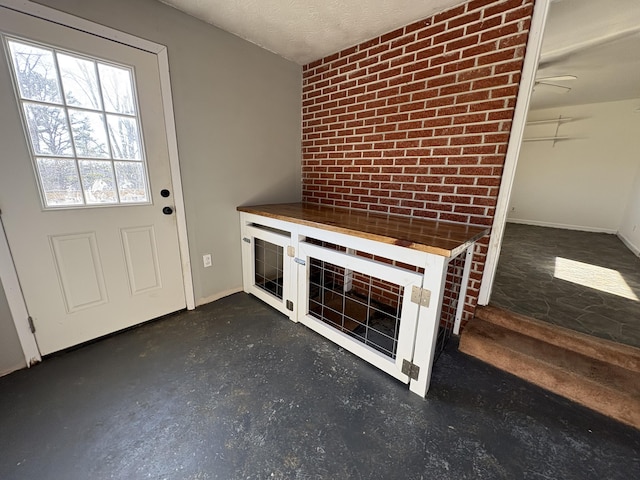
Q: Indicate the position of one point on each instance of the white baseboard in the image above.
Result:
(629, 245)
(218, 296)
(580, 228)
(8, 370)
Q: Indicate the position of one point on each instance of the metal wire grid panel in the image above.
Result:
(450, 300)
(362, 306)
(269, 267)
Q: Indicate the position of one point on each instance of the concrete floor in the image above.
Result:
(592, 288)
(234, 390)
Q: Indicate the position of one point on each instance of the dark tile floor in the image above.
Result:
(541, 269)
(234, 390)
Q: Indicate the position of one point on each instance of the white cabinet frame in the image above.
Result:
(251, 230)
(422, 298)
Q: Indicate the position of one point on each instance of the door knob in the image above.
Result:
(167, 210)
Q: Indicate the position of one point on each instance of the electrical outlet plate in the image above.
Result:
(206, 260)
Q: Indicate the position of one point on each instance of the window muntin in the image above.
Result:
(81, 120)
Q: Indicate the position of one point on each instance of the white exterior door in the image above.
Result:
(84, 180)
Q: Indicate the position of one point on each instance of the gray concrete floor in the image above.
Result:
(234, 390)
(525, 281)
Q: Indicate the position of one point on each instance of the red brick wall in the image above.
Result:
(416, 121)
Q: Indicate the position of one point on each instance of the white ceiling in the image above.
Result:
(306, 30)
(596, 40)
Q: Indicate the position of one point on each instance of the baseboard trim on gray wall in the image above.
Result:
(218, 296)
(8, 370)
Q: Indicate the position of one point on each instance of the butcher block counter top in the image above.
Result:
(436, 237)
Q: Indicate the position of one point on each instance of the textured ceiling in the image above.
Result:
(598, 41)
(306, 30)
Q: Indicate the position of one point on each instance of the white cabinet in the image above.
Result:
(377, 299)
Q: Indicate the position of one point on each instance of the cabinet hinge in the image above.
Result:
(410, 369)
(299, 261)
(32, 325)
(290, 305)
(420, 296)
(291, 251)
(246, 240)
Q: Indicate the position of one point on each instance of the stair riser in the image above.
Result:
(613, 403)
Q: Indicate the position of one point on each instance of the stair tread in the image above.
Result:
(624, 356)
(570, 361)
(601, 386)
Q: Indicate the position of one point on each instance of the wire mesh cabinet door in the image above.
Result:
(267, 267)
(361, 304)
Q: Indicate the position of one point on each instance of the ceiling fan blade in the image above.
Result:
(560, 88)
(557, 78)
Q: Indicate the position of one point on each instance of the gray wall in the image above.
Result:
(11, 356)
(238, 121)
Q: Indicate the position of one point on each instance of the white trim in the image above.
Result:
(77, 23)
(7, 270)
(11, 369)
(17, 305)
(579, 228)
(464, 285)
(532, 56)
(176, 178)
(218, 296)
(628, 244)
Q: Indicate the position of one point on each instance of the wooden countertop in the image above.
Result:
(440, 238)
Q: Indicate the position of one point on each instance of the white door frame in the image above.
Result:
(15, 300)
(8, 274)
(527, 82)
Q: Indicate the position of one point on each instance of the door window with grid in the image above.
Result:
(81, 120)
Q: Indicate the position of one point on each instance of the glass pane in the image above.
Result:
(97, 181)
(89, 135)
(125, 141)
(36, 72)
(60, 182)
(117, 89)
(79, 81)
(48, 130)
(131, 182)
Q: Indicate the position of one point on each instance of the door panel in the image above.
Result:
(86, 272)
(79, 268)
(269, 279)
(141, 255)
(362, 305)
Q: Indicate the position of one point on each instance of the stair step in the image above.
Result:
(593, 382)
(624, 356)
